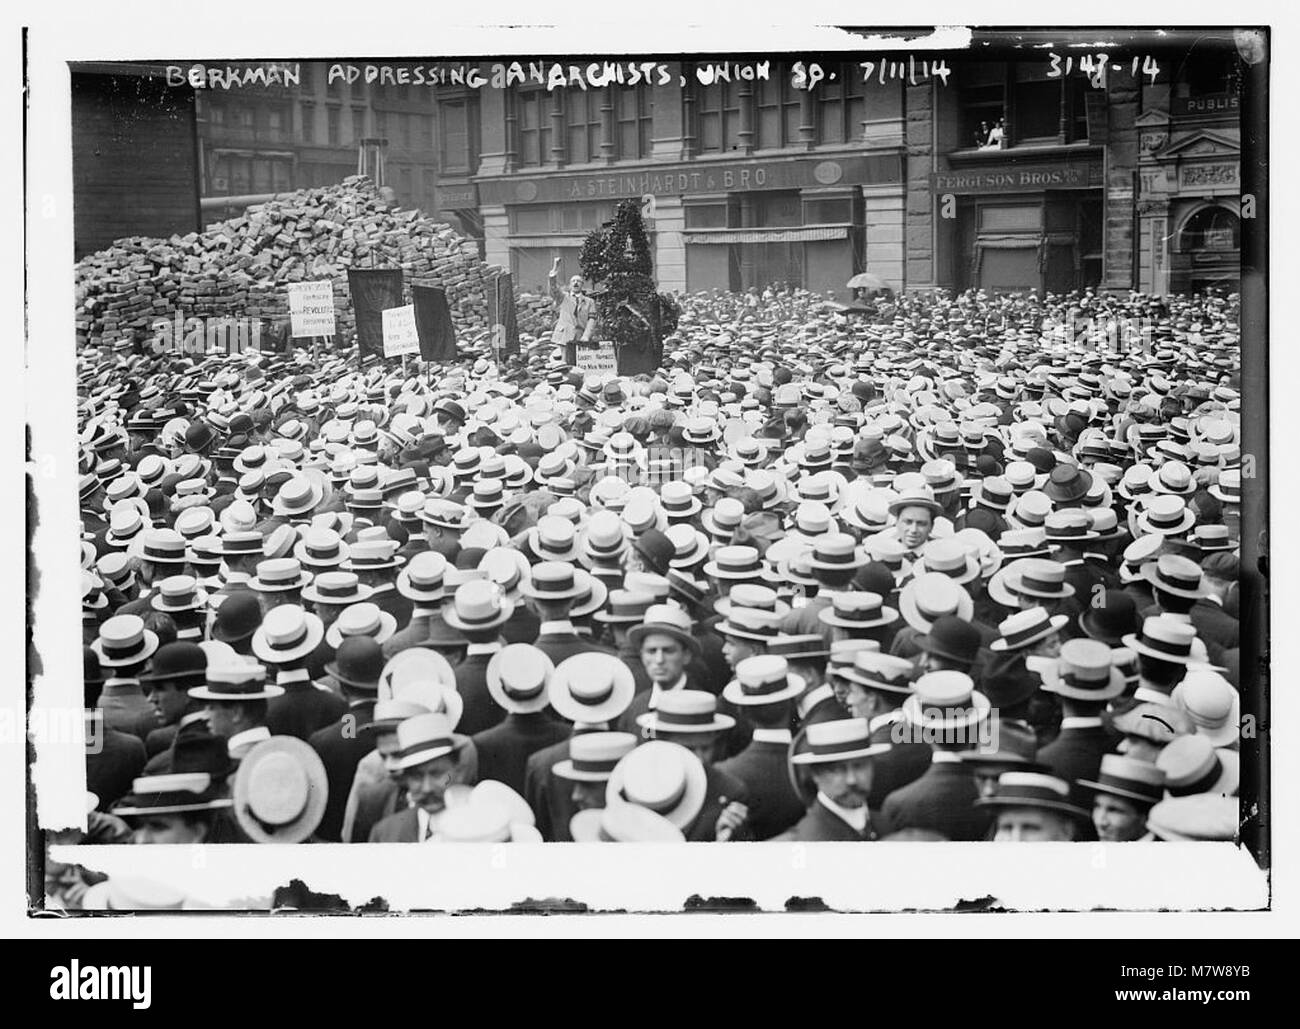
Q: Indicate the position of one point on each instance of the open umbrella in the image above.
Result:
(866, 280)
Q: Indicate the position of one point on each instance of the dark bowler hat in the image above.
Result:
(358, 663)
(1116, 617)
(951, 637)
(1066, 484)
(238, 618)
(184, 663)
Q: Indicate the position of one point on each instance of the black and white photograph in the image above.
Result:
(469, 449)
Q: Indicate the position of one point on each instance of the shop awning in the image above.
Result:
(811, 235)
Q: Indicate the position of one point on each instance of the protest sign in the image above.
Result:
(597, 360)
(311, 308)
(400, 335)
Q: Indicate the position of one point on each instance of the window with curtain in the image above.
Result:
(777, 124)
(582, 117)
(533, 127)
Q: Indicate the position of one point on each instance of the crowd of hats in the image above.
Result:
(240, 268)
(758, 489)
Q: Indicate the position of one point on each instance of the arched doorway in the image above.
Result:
(1208, 249)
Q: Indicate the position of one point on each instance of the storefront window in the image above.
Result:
(1212, 228)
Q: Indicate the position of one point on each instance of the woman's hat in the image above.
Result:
(1084, 671)
(287, 633)
(765, 679)
(591, 688)
(1025, 628)
(518, 676)
(593, 755)
(842, 739)
(664, 777)
(123, 640)
(280, 791)
(930, 596)
(1192, 764)
(685, 711)
(1120, 776)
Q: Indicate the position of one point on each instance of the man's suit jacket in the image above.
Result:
(125, 709)
(720, 786)
(341, 746)
(369, 803)
(1076, 753)
(523, 625)
(821, 825)
(302, 709)
(942, 800)
(903, 763)
(504, 749)
(481, 711)
(412, 636)
(761, 767)
(547, 794)
(558, 646)
(160, 763)
(386, 598)
(119, 761)
(805, 620)
(402, 827)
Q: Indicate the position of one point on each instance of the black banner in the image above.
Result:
(433, 323)
(501, 309)
(374, 290)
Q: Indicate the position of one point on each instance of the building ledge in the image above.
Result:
(1025, 150)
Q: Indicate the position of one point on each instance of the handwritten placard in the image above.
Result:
(400, 336)
(311, 308)
(597, 360)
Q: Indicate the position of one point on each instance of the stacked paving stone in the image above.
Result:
(240, 268)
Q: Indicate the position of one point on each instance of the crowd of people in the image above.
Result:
(963, 570)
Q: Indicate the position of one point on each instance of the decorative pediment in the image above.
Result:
(1151, 120)
(1202, 145)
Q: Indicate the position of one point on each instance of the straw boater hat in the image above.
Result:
(687, 712)
(279, 575)
(1164, 638)
(876, 671)
(1212, 703)
(337, 589)
(123, 641)
(664, 777)
(478, 605)
(287, 633)
(1192, 764)
(1138, 781)
(1199, 816)
(424, 738)
(422, 676)
(518, 677)
(945, 700)
(235, 679)
(1025, 628)
(593, 755)
(1022, 789)
(591, 688)
(765, 679)
(280, 791)
(844, 739)
(1177, 575)
(669, 620)
(1032, 577)
(930, 596)
(172, 794)
(364, 619)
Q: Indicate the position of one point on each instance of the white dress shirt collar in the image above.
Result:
(482, 648)
(559, 627)
(1080, 722)
(656, 690)
(242, 742)
(855, 817)
(773, 736)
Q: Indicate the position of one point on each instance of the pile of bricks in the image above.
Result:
(241, 268)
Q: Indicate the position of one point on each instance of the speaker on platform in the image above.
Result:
(433, 323)
(374, 290)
